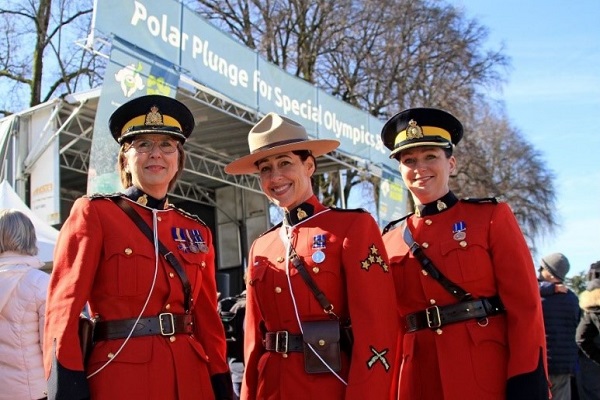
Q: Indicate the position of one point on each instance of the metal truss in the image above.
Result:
(210, 98)
(75, 122)
(76, 128)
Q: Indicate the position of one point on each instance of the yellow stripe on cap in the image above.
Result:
(427, 131)
(141, 121)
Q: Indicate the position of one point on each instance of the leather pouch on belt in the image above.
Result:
(86, 336)
(324, 338)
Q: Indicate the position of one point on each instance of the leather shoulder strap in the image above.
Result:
(431, 269)
(166, 253)
(312, 285)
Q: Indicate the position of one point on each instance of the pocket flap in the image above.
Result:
(321, 333)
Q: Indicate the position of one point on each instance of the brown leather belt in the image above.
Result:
(283, 342)
(165, 324)
(436, 317)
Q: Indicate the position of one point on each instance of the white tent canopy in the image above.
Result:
(46, 234)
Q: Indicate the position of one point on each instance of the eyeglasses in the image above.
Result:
(146, 146)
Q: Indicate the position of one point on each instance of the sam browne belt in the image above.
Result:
(466, 308)
(165, 324)
(436, 317)
(283, 342)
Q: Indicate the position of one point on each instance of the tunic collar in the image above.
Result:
(303, 211)
(436, 207)
(137, 195)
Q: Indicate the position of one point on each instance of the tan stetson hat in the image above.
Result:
(275, 134)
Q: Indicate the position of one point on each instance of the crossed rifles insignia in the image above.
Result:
(378, 356)
(374, 258)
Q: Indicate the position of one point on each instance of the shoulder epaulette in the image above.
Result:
(271, 229)
(95, 196)
(480, 200)
(361, 210)
(187, 214)
(393, 224)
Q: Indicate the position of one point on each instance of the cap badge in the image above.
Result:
(154, 117)
(413, 131)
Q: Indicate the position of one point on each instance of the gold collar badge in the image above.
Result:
(301, 214)
(441, 206)
(154, 117)
(142, 200)
(413, 131)
(418, 209)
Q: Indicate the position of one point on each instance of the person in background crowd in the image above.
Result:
(158, 335)
(560, 307)
(466, 288)
(233, 312)
(22, 305)
(588, 337)
(293, 340)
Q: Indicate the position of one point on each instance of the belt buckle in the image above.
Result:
(169, 320)
(281, 341)
(436, 321)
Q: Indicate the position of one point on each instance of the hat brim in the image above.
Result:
(552, 271)
(247, 164)
(413, 144)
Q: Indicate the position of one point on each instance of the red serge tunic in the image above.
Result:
(103, 257)
(354, 277)
(493, 359)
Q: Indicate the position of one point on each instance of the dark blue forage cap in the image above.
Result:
(152, 114)
(416, 127)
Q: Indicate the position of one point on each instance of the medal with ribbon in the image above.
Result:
(459, 230)
(318, 245)
(180, 238)
(198, 241)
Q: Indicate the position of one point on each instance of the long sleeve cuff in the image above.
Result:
(529, 386)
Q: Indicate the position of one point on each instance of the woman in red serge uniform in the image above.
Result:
(473, 329)
(158, 334)
(342, 252)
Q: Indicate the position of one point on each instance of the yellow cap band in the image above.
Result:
(427, 131)
(141, 121)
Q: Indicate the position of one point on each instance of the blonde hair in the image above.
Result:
(126, 179)
(17, 233)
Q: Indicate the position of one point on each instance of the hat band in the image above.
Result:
(168, 122)
(276, 144)
(427, 131)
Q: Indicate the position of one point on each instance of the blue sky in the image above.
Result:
(553, 98)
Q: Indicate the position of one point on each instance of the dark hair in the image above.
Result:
(304, 154)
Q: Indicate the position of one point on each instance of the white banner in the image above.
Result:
(45, 183)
